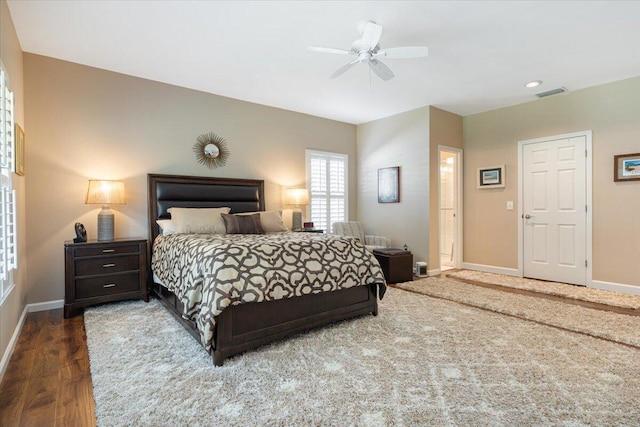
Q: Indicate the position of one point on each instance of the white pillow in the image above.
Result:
(198, 220)
(166, 226)
(271, 221)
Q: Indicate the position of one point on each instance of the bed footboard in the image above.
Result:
(246, 326)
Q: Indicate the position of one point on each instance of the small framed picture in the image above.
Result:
(389, 185)
(491, 177)
(626, 167)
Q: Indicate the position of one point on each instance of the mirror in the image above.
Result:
(210, 150)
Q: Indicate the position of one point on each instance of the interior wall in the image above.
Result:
(612, 113)
(400, 140)
(445, 129)
(88, 123)
(11, 57)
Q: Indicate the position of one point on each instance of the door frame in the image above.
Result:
(457, 247)
(589, 201)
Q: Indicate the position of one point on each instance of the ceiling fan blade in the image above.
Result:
(371, 34)
(404, 52)
(328, 50)
(381, 70)
(340, 71)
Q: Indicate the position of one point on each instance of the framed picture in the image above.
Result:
(389, 185)
(626, 167)
(19, 151)
(491, 177)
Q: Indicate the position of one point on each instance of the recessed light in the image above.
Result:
(534, 83)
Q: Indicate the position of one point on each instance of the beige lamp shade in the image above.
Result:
(105, 192)
(297, 196)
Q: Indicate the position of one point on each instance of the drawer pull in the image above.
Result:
(108, 265)
(105, 251)
(110, 285)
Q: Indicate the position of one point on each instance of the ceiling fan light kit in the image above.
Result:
(367, 49)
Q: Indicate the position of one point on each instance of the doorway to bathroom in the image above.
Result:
(450, 207)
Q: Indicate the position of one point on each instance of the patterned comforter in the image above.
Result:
(209, 272)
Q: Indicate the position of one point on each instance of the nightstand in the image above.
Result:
(98, 272)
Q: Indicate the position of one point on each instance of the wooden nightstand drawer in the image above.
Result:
(106, 250)
(107, 265)
(107, 285)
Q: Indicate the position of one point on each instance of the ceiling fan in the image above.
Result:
(367, 50)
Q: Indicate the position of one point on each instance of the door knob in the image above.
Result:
(527, 216)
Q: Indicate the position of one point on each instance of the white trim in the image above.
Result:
(616, 287)
(12, 343)
(431, 273)
(44, 306)
(492, 269)
(589, 199)
(6, 295)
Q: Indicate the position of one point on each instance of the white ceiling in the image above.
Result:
(480, 53)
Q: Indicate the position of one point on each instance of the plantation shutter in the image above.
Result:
(327, 181)
(8, 250)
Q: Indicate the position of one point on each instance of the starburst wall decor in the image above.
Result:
(211, 150)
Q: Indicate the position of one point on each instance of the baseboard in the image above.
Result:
(617, 287)
(29, 308)
(491, 269)
(44, 306)
(12, 343)
(433, 272)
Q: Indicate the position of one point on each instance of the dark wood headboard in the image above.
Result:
(165, 191)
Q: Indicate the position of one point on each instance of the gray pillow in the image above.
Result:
(243, 224)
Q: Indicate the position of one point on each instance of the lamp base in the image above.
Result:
(296, 220)
(106, 227)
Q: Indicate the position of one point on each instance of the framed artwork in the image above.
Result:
(491, 177)
(389, 185)
(626, 167)
(19, 151)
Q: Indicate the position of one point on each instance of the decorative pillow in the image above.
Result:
(166, 226)
(243, 224)
(271, 221)
(198, 220)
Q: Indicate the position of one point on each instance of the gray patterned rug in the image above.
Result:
(422, 361)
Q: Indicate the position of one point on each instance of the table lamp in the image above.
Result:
(297, 197)
(105, 193)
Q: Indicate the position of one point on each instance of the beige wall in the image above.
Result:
(400, 140)
(11, 56)
(89, 123)
(612, 113)
(445, 130)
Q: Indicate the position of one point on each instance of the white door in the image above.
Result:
(554, 210)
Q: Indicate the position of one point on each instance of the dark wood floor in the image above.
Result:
(48, 382)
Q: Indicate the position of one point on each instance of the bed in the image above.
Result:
(239, 327)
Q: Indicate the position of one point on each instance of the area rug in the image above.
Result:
(600, 296)
(597, 323)
(422, 361)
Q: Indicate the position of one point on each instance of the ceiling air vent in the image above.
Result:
(551, 92)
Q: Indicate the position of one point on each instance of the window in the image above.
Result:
(7, 194)
(328, 183)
